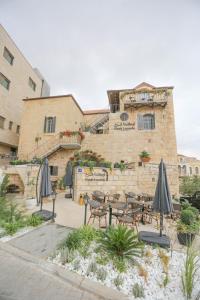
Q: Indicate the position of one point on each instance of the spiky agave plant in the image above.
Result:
(120, 242)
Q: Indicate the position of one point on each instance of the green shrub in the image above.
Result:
(120, 264)
(92, 268)
(80, 238)
(88, 233)
(73, 241)
(102, 259)
(66, 255)
(187, 217)
(11, 228)
(194, 210)
(34, 221)
(189, 272)
(118, 281)
(3, 186)
(138, 291)
(120, 242)
(101, 274)
(189, 185)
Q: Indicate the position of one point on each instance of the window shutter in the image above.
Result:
(54, 124)
(153, 121)
(45, 125)
(140, 122)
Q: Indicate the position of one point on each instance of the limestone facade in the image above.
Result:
(18, 80)
(188, 166)
(139, 119)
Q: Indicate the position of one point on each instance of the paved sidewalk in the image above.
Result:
(42, 241)
(25, 277)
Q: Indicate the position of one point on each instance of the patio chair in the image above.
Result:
(119, 212)
(131, 218)
(97, 211)
(176, 211)
(149, 215)
(114, 197)
(98, 196)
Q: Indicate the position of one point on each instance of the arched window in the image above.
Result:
(184, 170)
(196, 170)
(179, 170)
(190, 170)
(146, 122)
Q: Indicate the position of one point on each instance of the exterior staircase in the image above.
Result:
(99, 123)
(55, 142)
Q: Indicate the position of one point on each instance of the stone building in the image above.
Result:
(140, 118)
(18, 80)
(188, 166)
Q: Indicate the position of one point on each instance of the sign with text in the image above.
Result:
(124, 126)
(97, 175)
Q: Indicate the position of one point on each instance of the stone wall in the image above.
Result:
(138, 180)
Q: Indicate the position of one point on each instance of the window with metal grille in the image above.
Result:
(2, 121)
(53, 170)
(146, 122)
(8, 56)
(49, 124)
(5, 82)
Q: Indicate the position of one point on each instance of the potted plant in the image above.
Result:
(188, 225)
(145, 156)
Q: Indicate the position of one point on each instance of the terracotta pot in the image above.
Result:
(145, 159)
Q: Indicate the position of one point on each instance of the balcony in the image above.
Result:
(145, 99)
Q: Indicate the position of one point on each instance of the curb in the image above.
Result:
(67, 276)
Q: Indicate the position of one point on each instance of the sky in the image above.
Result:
(86, 47)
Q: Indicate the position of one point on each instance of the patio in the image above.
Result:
(71, 214)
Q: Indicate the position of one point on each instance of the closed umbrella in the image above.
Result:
(163, 204)
(45, 191)
(45, 184)
(68, 178)
(162, 201)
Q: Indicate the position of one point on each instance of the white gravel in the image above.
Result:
(153, 286)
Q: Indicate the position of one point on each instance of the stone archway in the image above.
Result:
(15, 184)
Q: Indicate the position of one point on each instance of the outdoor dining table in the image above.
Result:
(115, 205)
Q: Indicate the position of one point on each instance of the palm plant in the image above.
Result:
(120, 242)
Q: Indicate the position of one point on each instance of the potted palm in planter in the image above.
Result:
(145, 156)
(188, 225)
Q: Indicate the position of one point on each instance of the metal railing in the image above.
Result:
(52, 143)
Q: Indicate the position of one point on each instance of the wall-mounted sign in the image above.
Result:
(99, 175)
(80, 170)
(124, 126)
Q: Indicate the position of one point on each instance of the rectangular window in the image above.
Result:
(18, 129)
(146, 122)
(8, 56)
(49, 124)
(10, 125)
(53, 170)
(5, 82)
(2, 121)
(32, 84)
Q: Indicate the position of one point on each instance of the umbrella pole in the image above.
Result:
(161, 223)
(41, 200)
